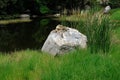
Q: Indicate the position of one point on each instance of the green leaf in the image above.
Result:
(44, 9)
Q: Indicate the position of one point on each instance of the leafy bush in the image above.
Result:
(44, 9)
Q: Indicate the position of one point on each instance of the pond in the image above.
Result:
(21, 36)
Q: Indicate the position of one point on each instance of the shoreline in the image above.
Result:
(24, 19)
(11, 21)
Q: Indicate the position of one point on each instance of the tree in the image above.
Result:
(41, 6)
(3, 5)
(115, 3)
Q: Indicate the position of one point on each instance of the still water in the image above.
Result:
(21, 36)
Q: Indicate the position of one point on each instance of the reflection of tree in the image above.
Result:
(41, 32)
(25, 35)
(15, 37)
(6, 38)
(44, 22)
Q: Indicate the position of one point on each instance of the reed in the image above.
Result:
(96, 26)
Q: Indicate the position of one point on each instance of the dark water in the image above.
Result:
(21, 36)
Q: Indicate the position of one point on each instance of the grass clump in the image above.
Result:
(98, 33)
(96, 27)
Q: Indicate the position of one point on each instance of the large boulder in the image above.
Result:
(64, 39)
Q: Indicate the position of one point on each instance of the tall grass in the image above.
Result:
(98, 33)
(78, 65)
(96, 27)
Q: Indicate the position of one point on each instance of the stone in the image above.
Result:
(107, 9)
(56, 15)
(25, 16)
(64, 39)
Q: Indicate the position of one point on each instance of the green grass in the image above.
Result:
(77, 65)
(115, 14)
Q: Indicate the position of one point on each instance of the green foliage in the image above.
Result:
(94, 2)
(3, 5)
(44, 9)
(7, 6)
(38, 6)
(42, 6)
(115, 3)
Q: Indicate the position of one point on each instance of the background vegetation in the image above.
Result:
(36, 6)
(8, 7)
(103, 43)
(77, 65)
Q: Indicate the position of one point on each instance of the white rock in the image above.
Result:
(24, 16)
(64, 39)
(57, 15)
(107, 9)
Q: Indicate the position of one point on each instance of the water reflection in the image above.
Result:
(21, 36)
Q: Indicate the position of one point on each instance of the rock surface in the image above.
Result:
(64, 39)
(24, 16)
(107, 9)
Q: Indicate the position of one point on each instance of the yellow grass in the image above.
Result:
(14, 21)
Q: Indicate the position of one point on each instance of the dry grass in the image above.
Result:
(14, 21)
